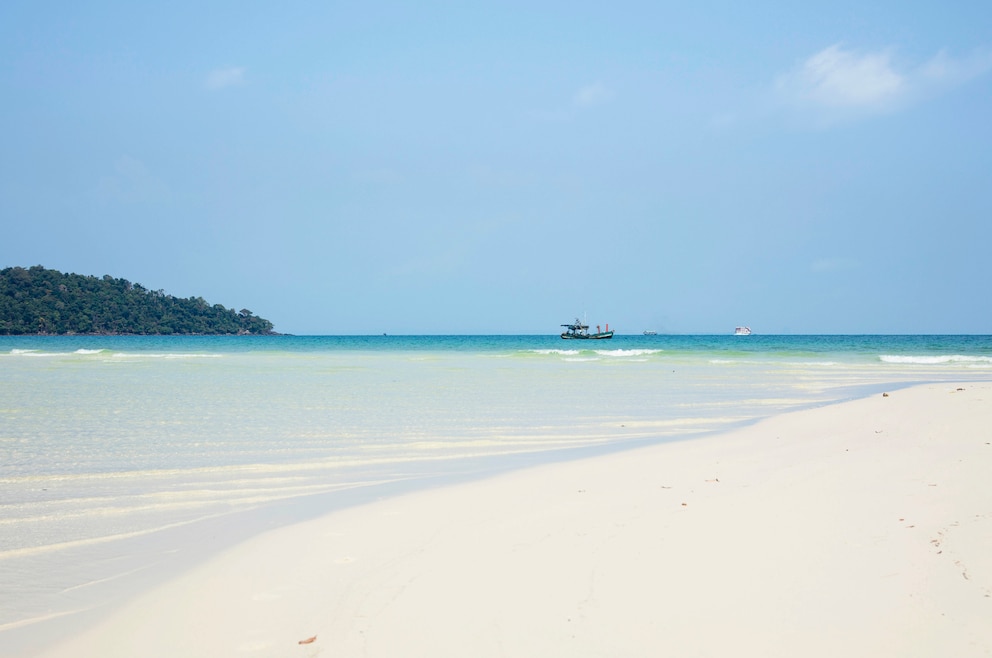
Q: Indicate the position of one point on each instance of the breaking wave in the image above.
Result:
(634, 352)
(938, 359)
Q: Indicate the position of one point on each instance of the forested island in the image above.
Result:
(36, 300)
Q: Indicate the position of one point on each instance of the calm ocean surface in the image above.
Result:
(123, 459)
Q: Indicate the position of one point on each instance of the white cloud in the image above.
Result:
(221, 78)
(839, 80)
(594, 94)
(835, 77)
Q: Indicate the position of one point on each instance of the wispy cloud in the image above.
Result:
(841, 80)
(944, 70)
(587, 96)
(593, 94)
(227, 77)
(835, 77)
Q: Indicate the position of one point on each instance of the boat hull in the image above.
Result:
(600, 336)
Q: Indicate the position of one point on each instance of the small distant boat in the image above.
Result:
(742, 331)
(579, 330)
(650, 332)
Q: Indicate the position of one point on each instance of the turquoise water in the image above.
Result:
(122, 458)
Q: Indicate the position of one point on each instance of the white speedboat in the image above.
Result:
(742, 331)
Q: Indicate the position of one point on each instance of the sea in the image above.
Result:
(126, 459)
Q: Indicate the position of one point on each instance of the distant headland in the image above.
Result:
(36, 301)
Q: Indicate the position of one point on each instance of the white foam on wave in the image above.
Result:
(556, 351)
(117, 355)
(787, 364)
(35, 353)
(938, 360)
(164, 355)
(625, 353)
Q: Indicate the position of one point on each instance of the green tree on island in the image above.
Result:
(41, 301)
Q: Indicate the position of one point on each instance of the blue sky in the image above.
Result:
(433, 167)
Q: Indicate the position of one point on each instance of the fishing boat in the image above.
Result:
(579, 330)
(742, 331)
(650, 332)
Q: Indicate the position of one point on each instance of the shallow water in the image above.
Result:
(122, 459)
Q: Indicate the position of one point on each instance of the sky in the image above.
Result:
(505, 167)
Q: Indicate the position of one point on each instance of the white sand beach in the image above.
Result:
(858, 529)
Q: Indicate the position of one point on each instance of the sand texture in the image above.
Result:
(858, 529)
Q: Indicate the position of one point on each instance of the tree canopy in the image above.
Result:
(42, 301)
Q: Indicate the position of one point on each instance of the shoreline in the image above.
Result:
(158, 557)
(858, 528)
